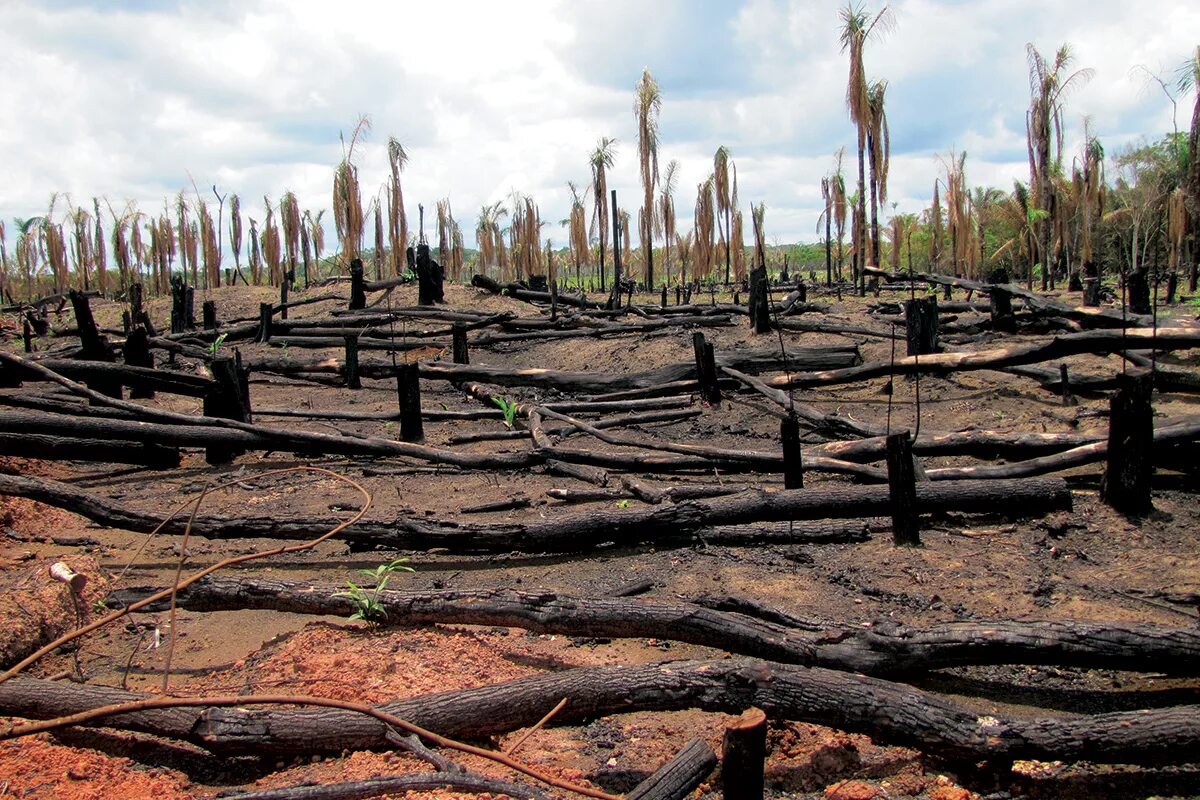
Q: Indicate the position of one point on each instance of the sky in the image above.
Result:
(133, 101)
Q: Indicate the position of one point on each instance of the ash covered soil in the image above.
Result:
(1089, 564)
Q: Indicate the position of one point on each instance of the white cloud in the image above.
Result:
(489, 97)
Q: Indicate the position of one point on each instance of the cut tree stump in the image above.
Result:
(1130, 464)
(743, 756)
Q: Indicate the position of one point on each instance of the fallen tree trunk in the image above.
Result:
(208, 432)
(68, 448)
(1094, 342)
(1075, 457)
(886, 648)
(889, 712)
(581, 532)
(156, 380)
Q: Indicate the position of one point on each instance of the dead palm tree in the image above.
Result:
(858, 27)
(647, 104)
(1189, 80)
(936, 232)
(601, 160)
(185, 251)
(99, 252)
(397, 220)
(489, 237)
(209, 247)
(758, 217)
(1049, 86)
(738, 246)
(577, 238)
(347, 199)
(1092, 193)
(235, 232)
(879, 146)
(725, 188)
(837, 184)
(827, 215)
(289, 220)
(270, 241)
(704, 224)
(255, 255)
(683, 246)
(666, 215)
(81, 245)
(5, 277)
(378, 255)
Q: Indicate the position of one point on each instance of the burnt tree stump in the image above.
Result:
(1130, 466)
(224, 400)
(358, 291)
(94, 346)
(265, 312)
(706, 369)
(902, 490)
(408, 391)
(760, 301)
(208, 313)
(743, 756)
(921, 325)
(353, 380)
(458, 333)
(793, 465)
(430, 278)
(1003, 318)
(178, 305)
(1139, 292)
(137, 354)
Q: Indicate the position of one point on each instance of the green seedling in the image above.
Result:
(508, 407)
(367, 606)
(215, 347)
(622, 504)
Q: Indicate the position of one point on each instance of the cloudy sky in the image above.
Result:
(134, 100)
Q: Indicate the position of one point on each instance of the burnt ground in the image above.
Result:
(1089, 564)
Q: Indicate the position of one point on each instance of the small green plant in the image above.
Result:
(367, 606)
(215, 347)
(508, 407)
(622, 504)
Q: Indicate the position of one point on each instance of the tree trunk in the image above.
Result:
(889, 712)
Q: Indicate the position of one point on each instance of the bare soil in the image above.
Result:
(1090, 564)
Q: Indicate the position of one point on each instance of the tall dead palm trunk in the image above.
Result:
(100, 254)
(704, 223)
(397, 219)
(255, 254)
(647, 104)
(879, 146)
(5, 276)
(235, 233)
(601, 160)
(838, 187)
(683, 246)
(577, 238)
(725, 193)
(1048, 85)
(827, 215)
(81, 245)
(1189, 80)
(666, 215)
(858, 26)
(348, 218)
(936, 233)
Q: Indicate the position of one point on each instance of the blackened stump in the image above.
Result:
(902, 490)
(1130, 467)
